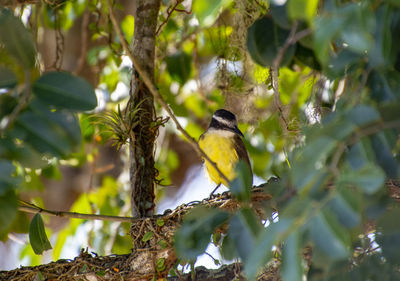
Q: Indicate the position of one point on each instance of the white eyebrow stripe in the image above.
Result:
(224, 121)
(222, 133)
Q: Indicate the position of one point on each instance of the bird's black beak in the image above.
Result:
(236, 130)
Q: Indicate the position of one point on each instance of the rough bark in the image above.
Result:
(142, 263)
(141, 146)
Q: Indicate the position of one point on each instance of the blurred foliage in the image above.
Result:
(334, 145)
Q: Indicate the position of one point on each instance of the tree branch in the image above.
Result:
(31, 208)
(274, 71)
(170, 10)
(150, 85)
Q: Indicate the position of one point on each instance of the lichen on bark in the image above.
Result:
(141, 145)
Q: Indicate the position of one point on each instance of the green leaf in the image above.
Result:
(328, 28)
(160, 222)
(8, 79)
(369, 178)
(329, 236)
(24, 154)
(20, 224)
(309, 164)
(228, 248)
(279, 14)
(16, 39)
(7, 180)
(264, 40)
(7, 105)
(8, 209)
(179, 66)
(64, 90)
(37, 235)
(385, 86)
(192, 238)
(162, 243)
(346, 206)
(147, 236)
(359, 23)
(384, 155)
(362, 115)
(390, 111)
(207, 11)
(318, 149)
(128, 27)
(342, 63)
(379, 56)
(160, 264)
(302, 9)
(54, 132)
(388, 235)
(291, 261)
(356, 156)
(241, 186)
(243, 230)
(262, 251)
(307, 57)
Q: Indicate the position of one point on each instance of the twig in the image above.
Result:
(289, 41)
(336, 157)
(31, 208)
(169, 13)
(363, 133)
(152, 88)
(292, 38)
(373, 130)
(364, 79)
(277, 97)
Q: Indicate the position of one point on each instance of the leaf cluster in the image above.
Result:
(335, 181)
(39, 121)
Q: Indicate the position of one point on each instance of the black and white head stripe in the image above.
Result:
(224, 120)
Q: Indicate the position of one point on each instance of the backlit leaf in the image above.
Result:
(37, 235)
(207, 12)
(302, 9)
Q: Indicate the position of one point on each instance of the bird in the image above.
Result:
(222, 143)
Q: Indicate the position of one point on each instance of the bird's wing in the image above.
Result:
(241, 150)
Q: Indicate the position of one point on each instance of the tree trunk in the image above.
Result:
(141, 145)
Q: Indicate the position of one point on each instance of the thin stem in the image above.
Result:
(274, 72)
(152, 88)
(31, 208)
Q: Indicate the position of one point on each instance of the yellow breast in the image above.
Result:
(220, 149)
